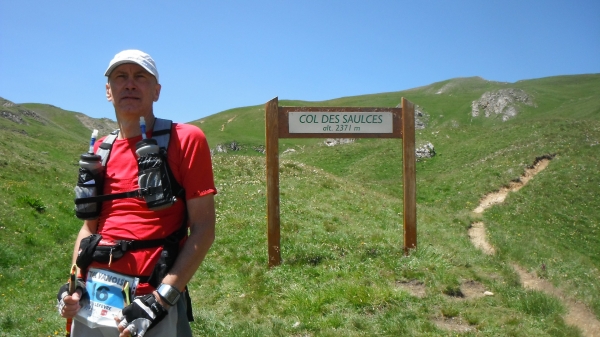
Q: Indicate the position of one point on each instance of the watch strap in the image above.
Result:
(168, 293)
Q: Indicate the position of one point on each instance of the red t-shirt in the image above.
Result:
(130, 219)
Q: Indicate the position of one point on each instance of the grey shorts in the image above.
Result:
(175, 324)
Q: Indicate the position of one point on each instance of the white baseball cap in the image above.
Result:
(133, 56)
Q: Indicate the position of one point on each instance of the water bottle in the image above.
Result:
(89, 182)
(153, 177)
(146, 146)
(91, 162)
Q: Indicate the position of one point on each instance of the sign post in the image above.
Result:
(272, 148)
(339, 122)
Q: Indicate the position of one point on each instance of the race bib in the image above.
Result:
(107, 297)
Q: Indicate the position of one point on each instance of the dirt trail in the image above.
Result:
(578, 314)
(477, 236)
(477, 229)
(498, 197)
(228, 121)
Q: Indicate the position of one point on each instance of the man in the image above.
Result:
(132, 87)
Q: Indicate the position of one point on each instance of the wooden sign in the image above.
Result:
(338, 122)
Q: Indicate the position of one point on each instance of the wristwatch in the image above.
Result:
(168, 293)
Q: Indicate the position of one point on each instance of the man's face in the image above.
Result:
(132, 90)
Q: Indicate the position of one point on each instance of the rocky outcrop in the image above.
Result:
(103, 125)
(224, 148)
(503, 102)
(421, 118)
(425, 151)
(6, 103)
(12, 117)
(15, 112)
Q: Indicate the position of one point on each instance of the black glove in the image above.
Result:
(64, 291)
(142, 315)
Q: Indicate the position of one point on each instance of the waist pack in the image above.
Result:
(95, 248)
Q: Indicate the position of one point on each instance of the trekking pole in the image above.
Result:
(72, 287)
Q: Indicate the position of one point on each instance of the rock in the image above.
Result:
(421, 117)
(336, 141)
(12, 117)
(220, 148)
(234, 146)
(425, 151)
(502, 102)
(260, 149)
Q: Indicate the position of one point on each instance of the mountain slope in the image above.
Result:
(344, 272)
(573, 96)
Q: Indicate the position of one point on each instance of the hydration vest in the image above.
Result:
(152, 168)
(158, 186)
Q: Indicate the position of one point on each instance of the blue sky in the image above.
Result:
(218, 55)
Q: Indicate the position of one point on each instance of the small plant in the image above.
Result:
(450, 312)
(34, 203)
(453, 291)
(472, 318)
(7, 323)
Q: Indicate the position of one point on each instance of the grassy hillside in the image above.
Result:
(343, 271)
(38, 168)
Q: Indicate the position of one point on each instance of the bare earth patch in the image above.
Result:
(103, 125)
(469, 289)
(414, 287)
(473, 289)
(455, 324)
(579, 314)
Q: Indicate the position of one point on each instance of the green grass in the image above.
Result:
(341, 216)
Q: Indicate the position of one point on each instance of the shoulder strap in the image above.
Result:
(105, 147)
(162, 132)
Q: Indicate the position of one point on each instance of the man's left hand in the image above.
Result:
(140, 316)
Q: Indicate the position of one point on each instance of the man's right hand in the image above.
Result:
(69, 305)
